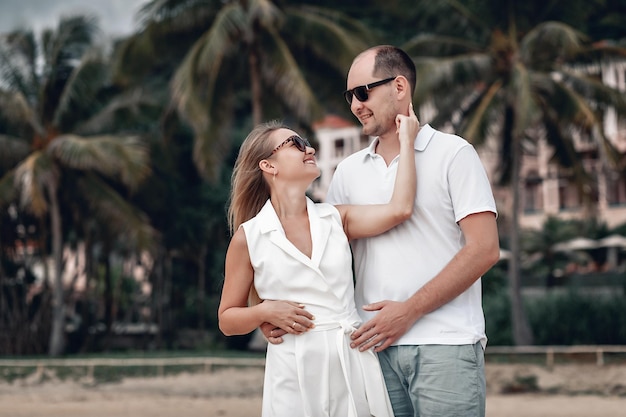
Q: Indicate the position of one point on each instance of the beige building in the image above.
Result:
(548, 189)
(337, 138)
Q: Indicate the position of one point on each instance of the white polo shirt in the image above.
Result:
(451, 184)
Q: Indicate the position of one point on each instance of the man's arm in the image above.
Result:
(481, 252)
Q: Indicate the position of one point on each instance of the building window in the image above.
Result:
(533, 194)
(615, 189)
(569, 197)
(339, 147)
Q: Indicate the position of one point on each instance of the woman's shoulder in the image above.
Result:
(329, 211)
(325, 209)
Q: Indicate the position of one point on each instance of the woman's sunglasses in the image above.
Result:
(360, 92)
(298, 142)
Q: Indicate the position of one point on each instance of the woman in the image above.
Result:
(289, 248)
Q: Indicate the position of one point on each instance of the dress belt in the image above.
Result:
(378, 400)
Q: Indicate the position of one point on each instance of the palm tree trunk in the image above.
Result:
(522, 334)
(255, 86)
(57, 335)
(108, 290)
(86, 317)
(201, 285)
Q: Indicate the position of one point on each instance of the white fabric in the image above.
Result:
(451, 184)
(316, 373)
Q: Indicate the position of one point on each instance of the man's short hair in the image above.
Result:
(391, 61)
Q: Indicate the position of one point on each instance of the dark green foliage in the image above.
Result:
(494, 281)
(570, 318)
(574, 318)
(497, 309)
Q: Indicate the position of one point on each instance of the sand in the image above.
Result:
(513, 390)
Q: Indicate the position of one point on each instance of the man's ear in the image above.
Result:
(266, 166)
(401, 84)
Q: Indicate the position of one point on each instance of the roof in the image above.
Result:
(332, 121)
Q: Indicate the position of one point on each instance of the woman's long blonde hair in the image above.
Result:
(248, 189)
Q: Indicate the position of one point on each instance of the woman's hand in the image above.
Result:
(407, 126)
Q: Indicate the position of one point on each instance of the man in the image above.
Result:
(418, 285)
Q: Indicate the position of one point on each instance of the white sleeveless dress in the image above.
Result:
(317, 373)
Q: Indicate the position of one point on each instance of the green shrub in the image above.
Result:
(571, 318)
(497, 311)
(574, 318)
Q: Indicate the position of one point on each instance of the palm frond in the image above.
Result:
(554, 230)
(282, 73)
(566, 154)
(210, 153)
(167, 16)
(428, 44)
(475, 128)
(136, 105)
(160, 22)
(18, 64)
(8, 191)
(573, 107)
(452, 106)
(262, 12)
(85, 80)
(466, 13)
(121, 218)
(19, 114)
(458, 16)
(73, 37)
(596, 52)
(31, 177)
(337, 38)
(443, 74)
(194, 81)
(14, 149)
(62, 51)
(601, 95)
(123, 158)
(577, 115)
(550, 44)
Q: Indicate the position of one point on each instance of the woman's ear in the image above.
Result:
(266, 166)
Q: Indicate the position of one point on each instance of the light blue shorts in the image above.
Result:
(435, 380)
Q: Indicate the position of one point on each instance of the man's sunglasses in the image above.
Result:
(298, 142)
(360, 92)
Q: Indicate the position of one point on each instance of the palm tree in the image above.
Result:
(251, 56)
(53, 91)
(514, 80)
(539, 246)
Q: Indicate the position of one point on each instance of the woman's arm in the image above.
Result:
(370, 220)
(234, 315)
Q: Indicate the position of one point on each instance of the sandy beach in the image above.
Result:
(513, 391)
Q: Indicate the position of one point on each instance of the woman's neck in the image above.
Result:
(288, 203)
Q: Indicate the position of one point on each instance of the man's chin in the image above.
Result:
(368, 130)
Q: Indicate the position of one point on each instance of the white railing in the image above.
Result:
(209, 363)
(599, 351)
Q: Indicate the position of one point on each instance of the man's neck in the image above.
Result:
(388, 147)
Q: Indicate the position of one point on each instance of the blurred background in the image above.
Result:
(120, 122)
